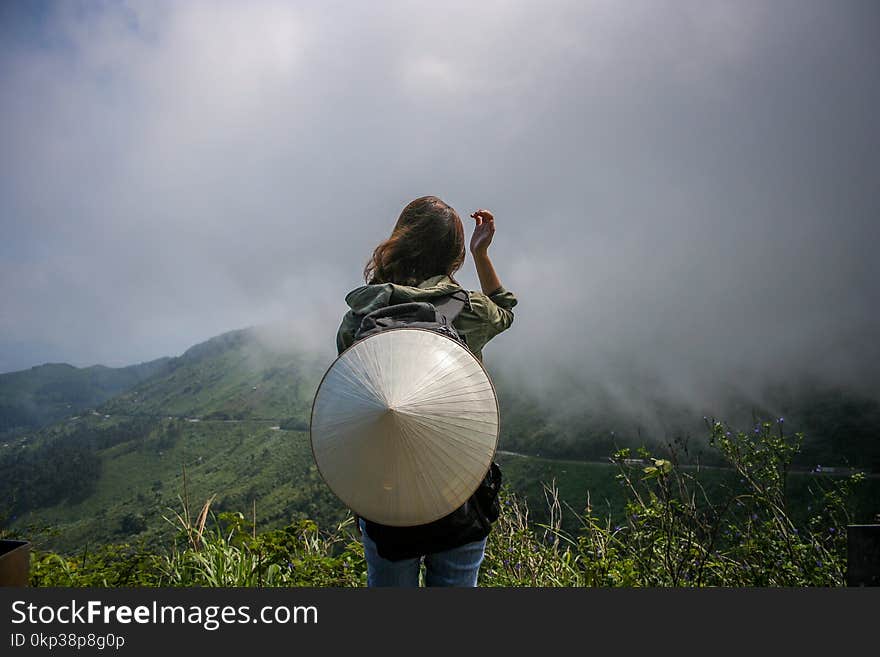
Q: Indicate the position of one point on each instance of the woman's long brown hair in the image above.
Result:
(427, 240)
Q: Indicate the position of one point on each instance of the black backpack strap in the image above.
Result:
(452, 304)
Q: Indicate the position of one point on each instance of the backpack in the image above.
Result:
(417, 314)
(473, 520)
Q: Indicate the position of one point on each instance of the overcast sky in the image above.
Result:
(686, 189)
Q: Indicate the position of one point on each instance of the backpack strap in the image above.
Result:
(452, 304)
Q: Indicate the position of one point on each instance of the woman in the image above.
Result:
(417, 263)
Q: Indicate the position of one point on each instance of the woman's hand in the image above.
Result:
(483, 231)
(482, 238)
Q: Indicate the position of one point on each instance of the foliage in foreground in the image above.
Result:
(676, 534)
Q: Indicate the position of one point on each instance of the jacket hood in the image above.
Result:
(367, 298)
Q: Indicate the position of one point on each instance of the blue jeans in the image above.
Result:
(456, 567)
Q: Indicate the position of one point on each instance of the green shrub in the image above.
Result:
(678, 534)
(109, 566)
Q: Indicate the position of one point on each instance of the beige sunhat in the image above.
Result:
(404, 426)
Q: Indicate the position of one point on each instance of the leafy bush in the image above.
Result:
(678, 534)
(110, 566)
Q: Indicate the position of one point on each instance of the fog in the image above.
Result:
(686, 193)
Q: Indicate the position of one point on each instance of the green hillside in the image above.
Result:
(33, 398)
(233, 376)
(138, 480)
(139, 476)
(681, 527)
(234, 412)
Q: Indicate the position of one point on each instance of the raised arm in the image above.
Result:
(484, 229)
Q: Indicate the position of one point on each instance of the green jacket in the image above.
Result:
(488, 316)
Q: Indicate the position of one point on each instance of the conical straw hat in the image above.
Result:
(404, 426)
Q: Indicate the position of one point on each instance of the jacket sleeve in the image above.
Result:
(495, 310)
(345, 334)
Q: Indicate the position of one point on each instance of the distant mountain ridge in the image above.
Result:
(244, 375)
(43, 394)
(233, 376)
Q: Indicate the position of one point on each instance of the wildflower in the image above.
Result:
(782, 419)
(618, 528)
(754, 516)
(819, 563)
(831, 530)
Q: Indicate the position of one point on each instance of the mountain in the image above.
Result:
(840, 427)
(33, 398)
(239, 375)
(233, 412)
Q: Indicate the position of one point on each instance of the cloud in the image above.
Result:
(684, 191)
